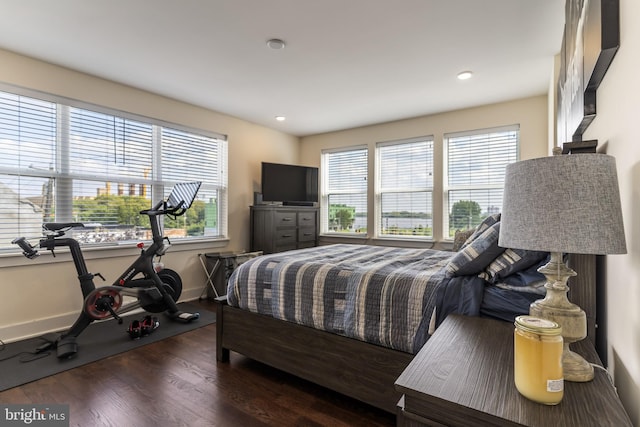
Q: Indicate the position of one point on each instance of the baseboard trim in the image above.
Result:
(38, 327)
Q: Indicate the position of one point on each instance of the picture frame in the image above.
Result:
(590, 42)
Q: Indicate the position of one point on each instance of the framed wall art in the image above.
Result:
(591, 40)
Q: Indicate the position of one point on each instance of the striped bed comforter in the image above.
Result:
(381, 295)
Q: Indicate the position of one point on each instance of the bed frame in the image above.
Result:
(354, 368)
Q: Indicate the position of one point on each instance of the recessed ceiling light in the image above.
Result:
(465, 75)
(281, 118)
(276, 44)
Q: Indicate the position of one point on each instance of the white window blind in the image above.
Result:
(345, 191)
(28, 160)
(404, 193)
(476, 163)
(105, 167)
(69, 164)
(187, 156)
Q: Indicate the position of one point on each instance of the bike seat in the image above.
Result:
(55, 226)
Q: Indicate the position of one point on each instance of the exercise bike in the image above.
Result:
(152, 289)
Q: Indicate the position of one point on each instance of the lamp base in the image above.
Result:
(574, 367)
(573, 320)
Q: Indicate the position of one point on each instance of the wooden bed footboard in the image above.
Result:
(354, 368)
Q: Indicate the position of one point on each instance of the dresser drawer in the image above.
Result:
(306, 234)
(307, 219)
(285, 218)
(285, 236)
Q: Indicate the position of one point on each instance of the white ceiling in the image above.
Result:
(347, 63)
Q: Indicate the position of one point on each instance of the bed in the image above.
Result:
(351, 317)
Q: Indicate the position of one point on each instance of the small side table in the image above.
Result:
(218, 267)
(463, 376)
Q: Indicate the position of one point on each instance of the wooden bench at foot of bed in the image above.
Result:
(363, 371)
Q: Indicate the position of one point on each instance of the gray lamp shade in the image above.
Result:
(563, 203)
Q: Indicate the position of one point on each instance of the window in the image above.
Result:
(65, 163)
(475, 169)
(404, 196)
(344, 191)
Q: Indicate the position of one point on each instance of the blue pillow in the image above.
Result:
(477, 255)
(481, 228)
(512, 261)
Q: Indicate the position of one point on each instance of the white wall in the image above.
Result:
(23, 310)
(530, 114)
(616, 127)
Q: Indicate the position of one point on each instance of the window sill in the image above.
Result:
(15, 259)
(446, 245)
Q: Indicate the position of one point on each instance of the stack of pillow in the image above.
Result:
(480, 255)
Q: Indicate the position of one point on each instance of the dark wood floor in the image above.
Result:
(177, 382)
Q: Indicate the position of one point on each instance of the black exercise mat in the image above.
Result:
(97, 341)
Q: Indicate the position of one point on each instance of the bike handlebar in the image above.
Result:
(162, 209)
(27, 250)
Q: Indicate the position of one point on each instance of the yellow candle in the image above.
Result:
(538, 359)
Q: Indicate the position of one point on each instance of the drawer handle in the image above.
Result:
(287, 235)
(287, 219)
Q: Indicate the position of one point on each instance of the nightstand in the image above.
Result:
(463, 376)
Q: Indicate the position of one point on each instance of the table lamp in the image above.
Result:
(563, 204)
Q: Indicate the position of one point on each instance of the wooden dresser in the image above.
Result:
(282, 228)
(463, 376)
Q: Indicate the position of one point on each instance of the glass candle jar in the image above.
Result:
(538, 359)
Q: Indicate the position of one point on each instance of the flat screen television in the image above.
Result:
(290, 184)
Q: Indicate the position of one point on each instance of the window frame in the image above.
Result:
(325, 191)
(159, 187)
(379, 191)
(448, 188)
